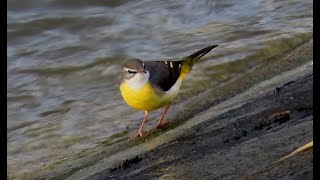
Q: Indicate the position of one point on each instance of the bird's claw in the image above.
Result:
(161, 125)
(139, 134)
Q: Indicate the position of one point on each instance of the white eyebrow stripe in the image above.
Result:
(171, 65)
(179, 65)
(127, 69)
(166, 62)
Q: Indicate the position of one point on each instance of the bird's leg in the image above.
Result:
(163, 114)
(140, 132)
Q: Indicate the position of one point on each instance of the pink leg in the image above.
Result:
(140, 132)
(162, 116)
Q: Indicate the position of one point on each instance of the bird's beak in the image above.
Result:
(143, 71)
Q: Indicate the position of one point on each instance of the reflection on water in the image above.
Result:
(64, 60)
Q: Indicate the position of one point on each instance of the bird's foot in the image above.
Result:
(161, 125)
(158, 126)
(139, 134)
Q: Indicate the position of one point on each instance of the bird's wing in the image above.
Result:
(163, 74)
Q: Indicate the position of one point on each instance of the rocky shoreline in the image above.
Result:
(243, 137)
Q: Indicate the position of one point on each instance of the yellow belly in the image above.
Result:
(144, 98)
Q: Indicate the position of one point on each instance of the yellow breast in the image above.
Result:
(145, 98)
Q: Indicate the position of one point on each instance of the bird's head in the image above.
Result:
(134, 73)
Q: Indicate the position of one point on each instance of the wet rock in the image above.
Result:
(127, 163)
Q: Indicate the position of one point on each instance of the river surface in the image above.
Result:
(64, 59)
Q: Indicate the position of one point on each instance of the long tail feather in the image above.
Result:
(190, 60)
(197, 55)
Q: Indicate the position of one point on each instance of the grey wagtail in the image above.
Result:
(151, 85)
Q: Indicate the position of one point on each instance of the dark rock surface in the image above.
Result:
(242, 136)
(244, 142)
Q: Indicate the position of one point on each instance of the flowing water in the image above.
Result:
(64, 59)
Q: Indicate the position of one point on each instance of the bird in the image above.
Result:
(151, 85)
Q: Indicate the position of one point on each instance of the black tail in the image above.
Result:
(188, 62)
(197, 55)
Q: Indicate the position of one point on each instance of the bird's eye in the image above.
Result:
(131, 72)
